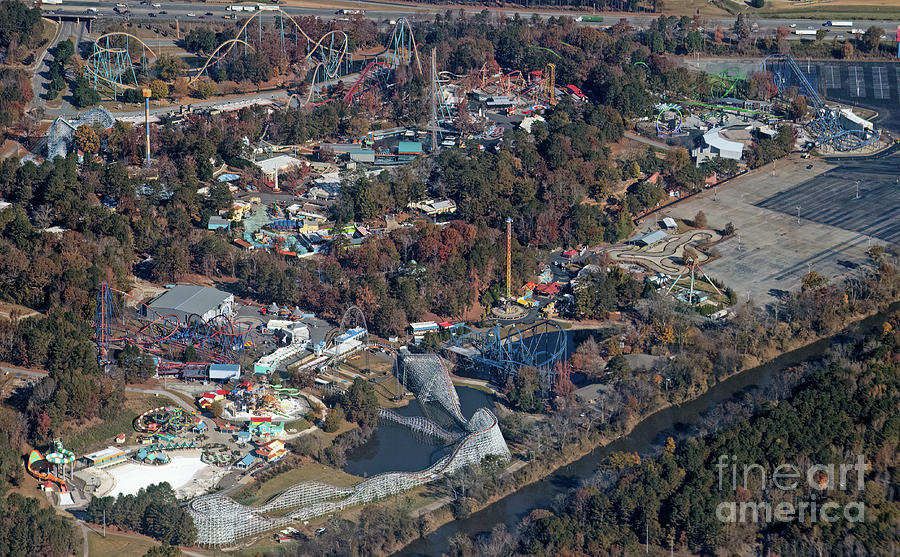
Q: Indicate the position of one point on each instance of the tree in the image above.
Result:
(361, 403)
(618, 365)
(821, 34)
(84, 95)
(205, 88)
(813, 281)
(798, 107)
(757, 3)
(847, 50)
(741, 29)
(136, 365)
(159, 89)
(333, 420)
(87, 140)
(168, 67)
(217, 408)
(524, 389)
(871, 38)
(729, 229)
(699, 220)
(163, 551)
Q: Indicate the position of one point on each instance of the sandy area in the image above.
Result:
(180, 473)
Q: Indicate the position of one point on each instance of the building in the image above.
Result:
(433, 208)
(409, 148)
(243, 437)
(224, 372)
(184, 300)
(668, 223)
(216, 222)
(716, 143)
(529, 121)
(200, 427)
(272, 451)
(109, 455)
(276, 165)
(649, 239)
(851, 121)
(246, 462)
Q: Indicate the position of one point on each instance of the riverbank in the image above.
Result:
(535, 471)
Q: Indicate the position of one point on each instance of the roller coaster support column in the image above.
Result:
(508, 258)
(146, 91)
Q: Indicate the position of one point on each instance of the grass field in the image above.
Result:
(115, 546)
(307, 472)
(96, 436)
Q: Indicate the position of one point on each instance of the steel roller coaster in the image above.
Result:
(328, 58)
(826, 128)
(121, 320)
(500, 352)
(110, 64)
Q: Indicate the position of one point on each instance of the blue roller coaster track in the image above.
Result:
(826, 128)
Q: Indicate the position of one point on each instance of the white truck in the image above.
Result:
(839, 24)
(235, 8)
(801, 32)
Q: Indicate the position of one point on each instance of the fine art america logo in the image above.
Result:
(787, 479)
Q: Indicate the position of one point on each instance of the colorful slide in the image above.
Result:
(36, 456)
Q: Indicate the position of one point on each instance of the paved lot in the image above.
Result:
(830, 198)
(771, 252)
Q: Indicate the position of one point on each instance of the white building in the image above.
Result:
(851, 121)
(278, 165)
(716, 144)
(183, 300)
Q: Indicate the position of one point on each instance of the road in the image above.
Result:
(385, 12)
(642, 139)
(42, 65)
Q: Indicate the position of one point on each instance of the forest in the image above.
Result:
(842, 406)
(154, 511)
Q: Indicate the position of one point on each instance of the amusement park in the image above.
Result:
(308, 358)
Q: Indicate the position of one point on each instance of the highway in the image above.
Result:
(377, 11)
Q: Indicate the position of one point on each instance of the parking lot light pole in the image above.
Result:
(857, 189)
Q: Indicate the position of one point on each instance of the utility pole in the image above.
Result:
(647, 538)
(857, 189)
(798, 214)
(104, 523)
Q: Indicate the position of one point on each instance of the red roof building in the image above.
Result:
(273, 450)
(550, 289)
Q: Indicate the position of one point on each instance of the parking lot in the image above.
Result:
(770, 251)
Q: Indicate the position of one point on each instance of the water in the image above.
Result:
(647, 435)
(392, 448)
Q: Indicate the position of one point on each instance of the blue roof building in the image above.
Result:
(409, 148)
(246, 462)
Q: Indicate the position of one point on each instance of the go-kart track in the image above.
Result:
(665, 256)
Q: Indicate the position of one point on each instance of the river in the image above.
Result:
(643, 439)
(392, 449)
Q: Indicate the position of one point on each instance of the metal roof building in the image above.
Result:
(649, 239)
(184, 300)
(224, 372)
